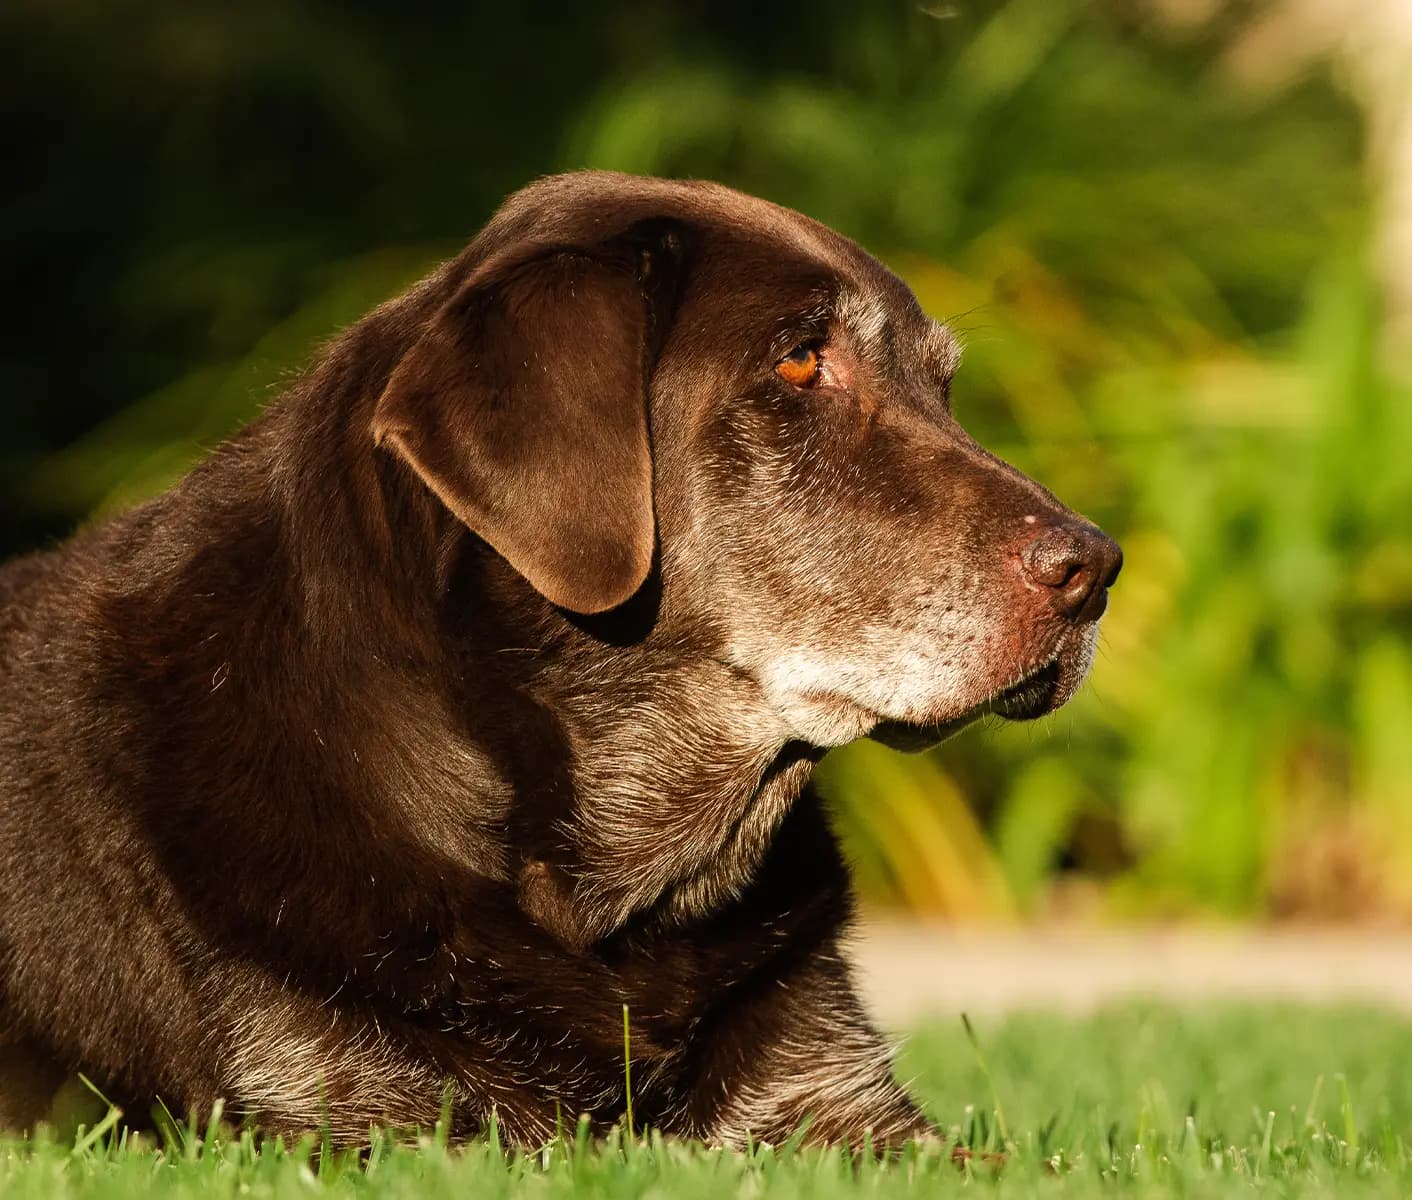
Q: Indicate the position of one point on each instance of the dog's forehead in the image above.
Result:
(872, 302)
(749, 239)
(866, 297)
(842, 262)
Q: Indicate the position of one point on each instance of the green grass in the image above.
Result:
(1144, 1101)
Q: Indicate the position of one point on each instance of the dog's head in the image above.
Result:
(639, 375)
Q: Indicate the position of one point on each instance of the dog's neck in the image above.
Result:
(661, 772)
(680, 780)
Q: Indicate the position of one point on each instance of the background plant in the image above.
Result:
(1159, 273)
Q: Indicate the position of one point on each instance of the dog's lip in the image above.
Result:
(1031, 697)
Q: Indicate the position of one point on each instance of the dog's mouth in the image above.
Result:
(1036, 695)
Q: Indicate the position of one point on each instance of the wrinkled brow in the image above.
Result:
(870, 321)
(943, 346)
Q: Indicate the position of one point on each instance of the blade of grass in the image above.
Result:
(990, 1080)
(1350, 1125)
(627, 1069)
(95, 1135)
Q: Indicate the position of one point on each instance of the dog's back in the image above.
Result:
(22, 581)
(94, 947)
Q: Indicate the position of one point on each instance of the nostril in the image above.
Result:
(1075, 564)
(1052, 559)
(1071, 577)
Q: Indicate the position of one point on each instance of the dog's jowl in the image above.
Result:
(472, 693)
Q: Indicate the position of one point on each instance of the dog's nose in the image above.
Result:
(1076, 564)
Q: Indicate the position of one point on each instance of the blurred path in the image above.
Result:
(909, 971)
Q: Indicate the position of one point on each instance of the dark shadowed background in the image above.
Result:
(1162, 229)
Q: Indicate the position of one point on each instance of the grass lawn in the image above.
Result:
(1139, 1100)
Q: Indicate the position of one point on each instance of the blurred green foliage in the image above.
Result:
(1159, 275)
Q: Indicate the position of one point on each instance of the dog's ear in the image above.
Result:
(524, 408)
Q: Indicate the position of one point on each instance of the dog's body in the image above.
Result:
(471, 694)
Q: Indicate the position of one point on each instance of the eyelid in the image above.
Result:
(806, 328)
(798, 339)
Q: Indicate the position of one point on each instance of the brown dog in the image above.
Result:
(472, 693)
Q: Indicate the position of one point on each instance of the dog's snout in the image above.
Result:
(1075, 564)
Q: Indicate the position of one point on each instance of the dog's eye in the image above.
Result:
(801, 367)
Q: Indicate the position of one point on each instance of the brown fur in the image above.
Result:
(472, 693)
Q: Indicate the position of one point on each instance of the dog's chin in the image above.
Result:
(828, 718)
(1036, 695)
(912, 739)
